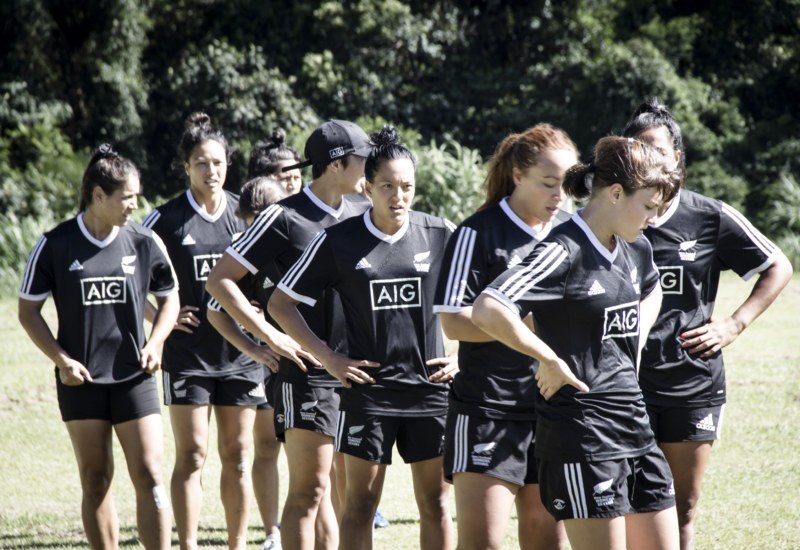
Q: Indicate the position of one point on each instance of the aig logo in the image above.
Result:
(395, 293)
(103, 290)
(203, 265)
(621, 321)
(671, 277)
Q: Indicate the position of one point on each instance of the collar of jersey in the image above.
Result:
(380, 234)
(609, 255)
(101, 244)
(321, 205)
(538, 235)
(202, 213)
(664, 218)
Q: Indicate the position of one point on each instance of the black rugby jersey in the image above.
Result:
(695, 239)
(279, 235)
(494, 381)
(99, 289)
(195, 241)
(387, 284)
(585, 301)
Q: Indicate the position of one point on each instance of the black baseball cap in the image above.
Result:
(333, 140)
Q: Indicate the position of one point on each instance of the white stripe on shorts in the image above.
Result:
(288, 406)
(337, 441)
(461, 444)
(574, 478)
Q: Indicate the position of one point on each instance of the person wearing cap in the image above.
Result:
(306, 401)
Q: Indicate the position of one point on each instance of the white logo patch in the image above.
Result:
(363, 264)
(127, 265)
(482, 453)
(596, 289)
(267, 283)
(337, 152)
(603, 486)
(103, 290)
(188, 240)
(514, 261)
(395, 293)
(419, 261)
(559, 504)
(707, 424)
(203, 264)
(686, 250)
(621, 321)
(307, 411)
(671, 279)
(75, 266)
(599, 498)
(258, 391)
(352, 434)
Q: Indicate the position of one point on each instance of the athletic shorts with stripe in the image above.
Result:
(497, 448)
(116, 403)
(270, 386)
(244, 389)
(678, 424)
(371, 436)
(305, 407)
(608, 489)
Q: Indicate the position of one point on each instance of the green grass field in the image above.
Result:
(751, 497)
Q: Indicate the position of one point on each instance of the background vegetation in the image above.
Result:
(456, 75)
(750, 497)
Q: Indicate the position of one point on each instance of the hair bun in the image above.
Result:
(278, 137)
(385, 136)
(198, 119)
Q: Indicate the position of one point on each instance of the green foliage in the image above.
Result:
(237, 88)
(449, 180)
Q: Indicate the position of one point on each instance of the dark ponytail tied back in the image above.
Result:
(579, 180)
(265, 155)
(109, 170)
(387, 145)
(197, 130)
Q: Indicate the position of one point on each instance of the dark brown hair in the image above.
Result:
(106, 169)
(258, 193)
(626, 161)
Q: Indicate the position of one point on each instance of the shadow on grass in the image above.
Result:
(209, 537)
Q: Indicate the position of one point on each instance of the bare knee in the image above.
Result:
(146, 473)
(433, 506)
(190, 459)
(267, 449)
(307, 497)
(361, 506)
(96, 481)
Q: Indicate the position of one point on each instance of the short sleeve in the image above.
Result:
(542, 276)
(741, 247)
(463, 274)
(162, 276)
(264, 241)
(38, 277)
(313, 272)
(647, 267)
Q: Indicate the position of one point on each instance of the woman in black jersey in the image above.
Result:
(99, 269)
(593, 291)
(682, 375)
(491, 419)
(384, 264)
(202, 372)
(255, 195)
(269, 158)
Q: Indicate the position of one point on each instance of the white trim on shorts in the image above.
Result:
(461, 444)
(577, 496)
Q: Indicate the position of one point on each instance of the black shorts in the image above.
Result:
(305, 407)
(679, 424)
(498, 448)
(116, 403)
(371, 436)
(244, 389)
(608, 489)
(269, 391)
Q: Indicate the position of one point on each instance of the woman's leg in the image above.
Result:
(142, 441)
(363, 493)
(431, 492)
(687, 460)
(653, 530)
(234, 439)
(91, 442)
(483, 506)
(593, 533)
(309, 456)
(537, 528)
(190, 430)
(267, 447)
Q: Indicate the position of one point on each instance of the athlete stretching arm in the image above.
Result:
(503, 325)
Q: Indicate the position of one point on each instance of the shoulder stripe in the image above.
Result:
(449, 225)
(549, 259)
(764, 244)
(459, 267)
(151, 219)
(213, 305)
(299, 267)
(254, 232)
(30, 268)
